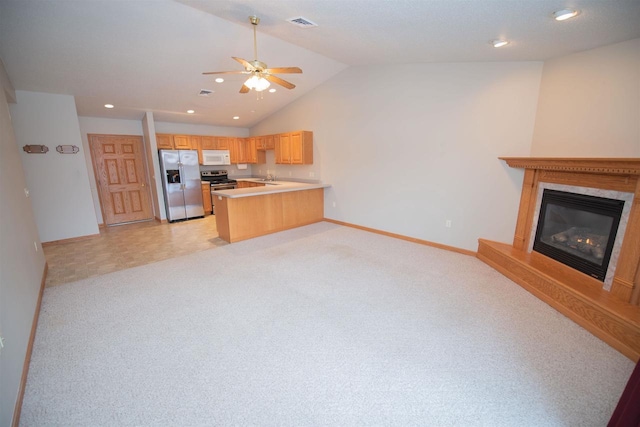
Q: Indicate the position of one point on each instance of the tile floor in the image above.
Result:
(125, 246)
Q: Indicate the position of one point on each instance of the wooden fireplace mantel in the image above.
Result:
(613, 316)
(609, 166)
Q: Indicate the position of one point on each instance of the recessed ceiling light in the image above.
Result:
(108, 105)
(564, 14)
(236, 117)
(272, 90)
(191, 111)
(499, 43)
(219, 80)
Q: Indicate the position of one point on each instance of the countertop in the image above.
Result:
(271, 187)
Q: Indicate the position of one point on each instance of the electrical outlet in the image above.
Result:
(447, 223)
(312, 174)
(289, 173)
(334, 204)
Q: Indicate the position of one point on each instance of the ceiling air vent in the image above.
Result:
(302, 22)
(205, 92)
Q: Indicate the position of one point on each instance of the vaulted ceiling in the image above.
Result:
(149, 55)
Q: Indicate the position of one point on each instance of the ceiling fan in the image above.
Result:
(260, 75)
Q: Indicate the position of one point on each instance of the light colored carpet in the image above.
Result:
(321, 325)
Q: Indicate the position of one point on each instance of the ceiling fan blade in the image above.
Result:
(246, 64)
(244, 89)
(283, 70)
(227, 72)
(278, 80)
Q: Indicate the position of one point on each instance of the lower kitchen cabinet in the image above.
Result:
(206, 198)
(248, 184)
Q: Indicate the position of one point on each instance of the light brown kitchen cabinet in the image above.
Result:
(164, 141)
(252, 150)
(181, 142)
(248, 184)
(208, 143)
(269, 142)
(237, 150)
(283, 148)
(260, 143)
(301, 148)
(224, 143)
(194, 143)
(206, 198)
(295, 148)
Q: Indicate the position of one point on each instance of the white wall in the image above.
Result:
(21, 263)
(405, 157)
(59, 183)
(95, 125)
(590, 104)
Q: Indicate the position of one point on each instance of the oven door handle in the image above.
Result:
(223, 187)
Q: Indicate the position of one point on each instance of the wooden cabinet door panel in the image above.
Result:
(164, 141)
(206, 198)
(252, 150)
(283, 148)
(269, 142)
(241, 151)
(223, 143)
(296, 148)
(208, 143)
(181, 142)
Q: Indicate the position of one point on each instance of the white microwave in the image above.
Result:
(216, 157)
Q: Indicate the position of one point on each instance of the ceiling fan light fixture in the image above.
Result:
(257, 83)
(108, 105)
(219, 80)
(499, 43)
(564, 14)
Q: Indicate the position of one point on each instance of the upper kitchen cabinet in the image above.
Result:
(224, 143)
(295, 148)
(208, 143)
(182, 142)
(266, 142)
(251, 149)
(237, 150)
(164, 141)
(269, 142)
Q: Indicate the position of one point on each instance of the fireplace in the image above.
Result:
(578, 230)
(610, 308)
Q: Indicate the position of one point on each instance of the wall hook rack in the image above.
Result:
(67, 149)
(35, 149)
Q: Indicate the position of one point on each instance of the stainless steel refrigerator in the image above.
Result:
(181, 184)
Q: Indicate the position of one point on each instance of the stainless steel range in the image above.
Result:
(218, 180)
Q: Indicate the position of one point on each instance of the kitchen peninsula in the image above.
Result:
(245, 213)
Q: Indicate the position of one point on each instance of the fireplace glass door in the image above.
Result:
(578, 230)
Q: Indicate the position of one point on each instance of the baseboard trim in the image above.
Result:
(70, 240)
(407, 238)
(27, 358)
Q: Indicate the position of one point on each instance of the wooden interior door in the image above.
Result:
(121, 179)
